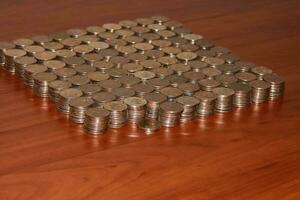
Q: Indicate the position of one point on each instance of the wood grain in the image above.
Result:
(252, 153)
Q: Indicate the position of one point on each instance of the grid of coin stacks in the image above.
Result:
(152, 72)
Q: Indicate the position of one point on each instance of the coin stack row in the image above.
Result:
(149, 71)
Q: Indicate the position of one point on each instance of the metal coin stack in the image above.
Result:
(78, 107)
(170, 114)
(189, 107)
(55, 87)
(224, 100)
(153, 102)
(260, 91)
(207, 103)
(10, 56)
(96, 120)
(30, 70)
(101, 98)
(242, 94)
(136, 108)
(277, 85)
(64, 98)
(118, 113)
(147, 71)
(41, 83)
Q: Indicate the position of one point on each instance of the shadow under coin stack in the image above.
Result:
(152, 72)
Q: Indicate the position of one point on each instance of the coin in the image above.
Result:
(96, 120)
(90, 89)
(53, 46)
(41, 39)
(245, 76)
(76, 32)
(260, 71)
(136, 108)
(277, 85)
(128, 81)
(122, 93)
(23, 42)
(102, 97)
(33, 49)
(189, 107)
(97, 76)
(180, 68)
(142, 89)
(21, 63)
(111, 27)
(208, 84)
(109, 85)
(70, 43)
(144, 75)
(128, 23)
(64, 73)
(55, 87)
(78, 107)
(45, 55)
(95, 30)
(213, 61)
(64, 53)
(78, 80)
(207, 100)
(166, 60)
(224, 100)
(171, 93)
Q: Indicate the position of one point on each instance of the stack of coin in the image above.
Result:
(30, 70)
(149, 125)
(277, 85)
(118, 113)
(171, 93)
(260, 71)
(224, 100)
(96, 120)
(123, 93)
(158, 83)
(242, 94)
(90, 89)
(4, 46)
(260, 91)
(101, 98)
(170, 114)
(142, 89)
(208, 84)
(207, 103)
(55, 87)
(21, 63)
(41, 82)
(64, 98)
(153, 102)
(188, 88)
(78, 107)
(136, 108)
(10, 56)
(189, 107)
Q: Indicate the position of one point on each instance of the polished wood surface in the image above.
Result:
(252, 153)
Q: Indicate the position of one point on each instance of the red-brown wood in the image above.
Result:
(252, 153)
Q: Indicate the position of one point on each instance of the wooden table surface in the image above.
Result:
(252, 153)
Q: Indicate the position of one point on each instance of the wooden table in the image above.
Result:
(252, 153)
